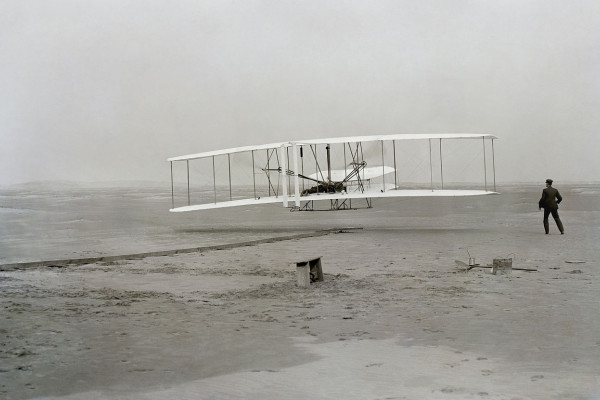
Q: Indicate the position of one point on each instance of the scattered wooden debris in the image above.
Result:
(499, 266)
(502, 266)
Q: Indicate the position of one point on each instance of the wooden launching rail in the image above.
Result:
(109, 258)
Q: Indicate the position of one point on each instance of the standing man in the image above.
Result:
(549, 202)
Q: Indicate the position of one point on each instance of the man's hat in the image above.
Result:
(549, 181)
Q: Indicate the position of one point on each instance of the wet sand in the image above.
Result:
(395, 317)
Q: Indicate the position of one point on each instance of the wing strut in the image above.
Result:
(296, 177)
(287, 154)
(268, 176)
(283, 177)
(302, 161)
(214, 180)
(484, 165)
(430, 165)
(441, 165)
(395, 169)
(172, 188)
(328, 163)
(229, 163)
(188, 180)
(345, 162)
(382, 166)
(253, 175)
(494, 164)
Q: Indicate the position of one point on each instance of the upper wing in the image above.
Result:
(402, 136)
(347, 139)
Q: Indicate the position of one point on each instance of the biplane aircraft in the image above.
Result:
(335, 171)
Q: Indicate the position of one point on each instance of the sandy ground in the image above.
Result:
(395, 318)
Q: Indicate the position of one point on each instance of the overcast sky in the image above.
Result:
(103, 90)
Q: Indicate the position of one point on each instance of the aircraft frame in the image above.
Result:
(285, 173)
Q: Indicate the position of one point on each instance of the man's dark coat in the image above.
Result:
(550, 198)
